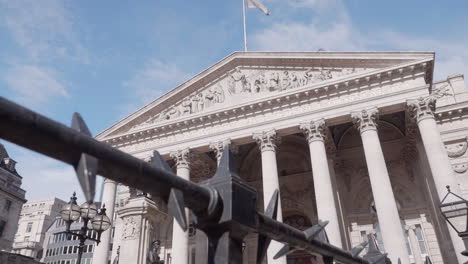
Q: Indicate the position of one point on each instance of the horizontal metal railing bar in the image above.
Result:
(41, 134)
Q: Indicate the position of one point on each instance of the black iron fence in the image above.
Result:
(224, 206)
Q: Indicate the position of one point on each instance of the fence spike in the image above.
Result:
(158, 162)
(285, 250)
(86, 169)
(227, 166)
(313, 231)
(175, 203)
(399, 261)
(355, 251)
(271, 211)
(428, 260)
(373, 255)
(176, 207)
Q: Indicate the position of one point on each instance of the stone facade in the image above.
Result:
(12, 198)
(365, 140)
(35, 218)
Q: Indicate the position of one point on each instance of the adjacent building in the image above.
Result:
(35, 218)
(365, 140)
(59, 248)
(12, 198)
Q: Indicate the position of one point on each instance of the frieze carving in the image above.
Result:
(365, 119)
(314, 130)
(131, 228)
(422, 107)
(442, 91)
(267, 140)
(460, 168)
(457, 150)
(242, 84)
(149, 143)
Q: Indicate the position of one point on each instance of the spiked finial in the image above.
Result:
(86, 169)
(263, 241)
(227, 166)
(310, 234)
(176, 202)
(373, 255)
(355, 251)
(428, 260)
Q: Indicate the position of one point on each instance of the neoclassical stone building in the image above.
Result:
(365, 140)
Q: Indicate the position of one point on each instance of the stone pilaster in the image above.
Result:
(324, 193)
(422, 111)
(385, 203)
(268, 142)
(140, 217)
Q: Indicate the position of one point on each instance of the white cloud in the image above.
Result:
(152, 81)
(33, 84)
(43, 177)
(332, 29)
(43, 29)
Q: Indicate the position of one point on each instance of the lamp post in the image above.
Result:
(88, 211)
(455, 211)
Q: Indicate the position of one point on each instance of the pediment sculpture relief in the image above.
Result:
(244, 84)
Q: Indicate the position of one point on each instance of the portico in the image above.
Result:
(284, 112)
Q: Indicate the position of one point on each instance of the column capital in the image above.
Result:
(366, 119)
(410, 227)
(181, 157)
(267, 140)
(219, 146)
(422, 108)
(314, 130)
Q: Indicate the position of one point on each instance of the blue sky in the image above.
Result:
(105, 59)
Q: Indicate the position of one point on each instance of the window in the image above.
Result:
(7, 206)
(2, 227)
(29, 227)
(421, 241)
(26, 238)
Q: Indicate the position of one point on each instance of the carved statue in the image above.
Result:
(294, 80)
(194, 103)
(286, 81)
(209, 98)
(186, 106)
(152, 257)
(308, 76)
(324, 75)
(219, 94)
(201, 103)
(273, 82)
(173, 112)
(116, 259)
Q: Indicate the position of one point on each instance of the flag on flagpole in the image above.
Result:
(257, 4)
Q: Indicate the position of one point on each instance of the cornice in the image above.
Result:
(315, 92)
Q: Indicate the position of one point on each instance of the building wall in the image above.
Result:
(60, 249)
(12, 197)
(35, 218)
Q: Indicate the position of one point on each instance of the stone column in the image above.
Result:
(414, 244)
(268, 141)
(101, 253)
(385, 204)
(180, 239)
(422, 110)
(324, 197)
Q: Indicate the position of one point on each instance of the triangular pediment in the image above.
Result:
(245, 77)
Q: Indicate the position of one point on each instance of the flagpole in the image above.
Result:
(245, 27)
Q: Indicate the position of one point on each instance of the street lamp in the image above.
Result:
(88, 211)
(455, 211)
